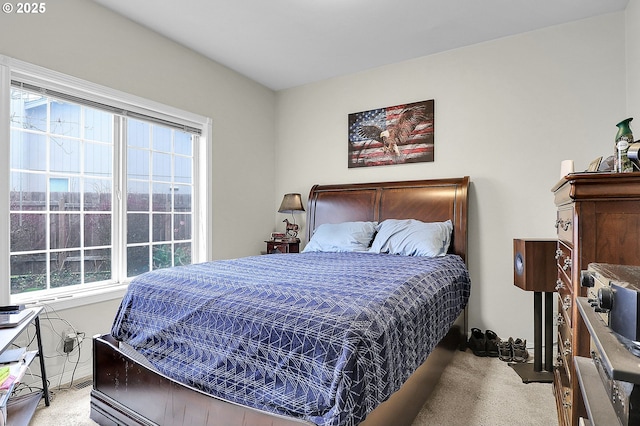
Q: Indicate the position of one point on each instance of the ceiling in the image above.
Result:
(288, 43)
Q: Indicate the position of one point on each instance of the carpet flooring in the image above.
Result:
(473, 391)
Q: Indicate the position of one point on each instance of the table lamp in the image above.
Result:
(291, 203)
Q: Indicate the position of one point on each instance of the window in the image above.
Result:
(97, 194)
(159, 192)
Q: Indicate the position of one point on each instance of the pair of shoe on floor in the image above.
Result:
(484, 344)
(513, 350)
(489, 344)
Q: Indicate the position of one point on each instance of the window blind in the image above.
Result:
(160, 119)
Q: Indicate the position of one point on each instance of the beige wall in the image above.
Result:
(82, 39)
(633, 64)
(507, 113)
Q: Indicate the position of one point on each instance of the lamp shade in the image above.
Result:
(291, 203)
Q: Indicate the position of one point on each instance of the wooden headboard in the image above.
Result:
(426, 200)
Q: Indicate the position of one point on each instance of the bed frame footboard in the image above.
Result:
(126, 392)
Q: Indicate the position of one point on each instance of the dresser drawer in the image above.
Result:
(564, 325)
(564, 287)
(565, 351)
(562, 389)
(564, 342)
(564, 308)
(564, 260)
(564, 225)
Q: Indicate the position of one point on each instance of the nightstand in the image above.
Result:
(290, 246)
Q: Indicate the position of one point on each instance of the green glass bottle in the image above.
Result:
(624, 138)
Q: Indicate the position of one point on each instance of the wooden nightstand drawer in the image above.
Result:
(283, 247)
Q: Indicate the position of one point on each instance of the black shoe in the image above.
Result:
(491, 343)
(477, 342)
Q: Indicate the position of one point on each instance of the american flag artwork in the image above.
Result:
(392, 135)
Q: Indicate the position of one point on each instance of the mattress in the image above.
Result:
(321, 336)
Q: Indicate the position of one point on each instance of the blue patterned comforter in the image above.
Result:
(322, 336)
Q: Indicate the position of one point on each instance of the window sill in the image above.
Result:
(78, 298)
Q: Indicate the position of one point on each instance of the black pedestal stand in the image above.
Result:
(533, 372)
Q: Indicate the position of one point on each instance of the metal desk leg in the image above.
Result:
(45, 386)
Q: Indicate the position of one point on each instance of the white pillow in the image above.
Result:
(342, 237)
(411, 237)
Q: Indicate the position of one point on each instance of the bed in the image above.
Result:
(379, 376)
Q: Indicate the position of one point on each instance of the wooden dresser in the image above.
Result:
(598, 220)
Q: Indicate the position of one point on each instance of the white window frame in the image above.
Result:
(13, 69)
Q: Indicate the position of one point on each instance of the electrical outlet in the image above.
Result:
(68, 341)
(67, 345)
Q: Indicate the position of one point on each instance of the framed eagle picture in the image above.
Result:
(393, 135)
